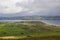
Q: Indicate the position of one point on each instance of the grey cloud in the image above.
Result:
(41, 5)
(37, 7)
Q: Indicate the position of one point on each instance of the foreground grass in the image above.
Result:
(35, 38)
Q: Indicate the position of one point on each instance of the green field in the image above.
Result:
(32, 30)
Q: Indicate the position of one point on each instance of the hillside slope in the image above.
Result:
(26, 28)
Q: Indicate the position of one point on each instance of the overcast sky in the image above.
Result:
(42, 7)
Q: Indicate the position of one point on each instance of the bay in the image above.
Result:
(53, 22)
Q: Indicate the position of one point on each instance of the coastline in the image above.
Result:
(50, 23)
(28, 20)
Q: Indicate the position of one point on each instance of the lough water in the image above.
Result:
(54, 22)
(17, 20)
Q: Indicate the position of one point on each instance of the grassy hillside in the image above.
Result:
(29, 29)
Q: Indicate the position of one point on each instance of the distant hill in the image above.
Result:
(21, 18)
(31, 18)
(50, 17)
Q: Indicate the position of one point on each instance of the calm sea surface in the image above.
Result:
(55, 22)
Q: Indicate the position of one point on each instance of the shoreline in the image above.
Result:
(28, 20)
(50, 23)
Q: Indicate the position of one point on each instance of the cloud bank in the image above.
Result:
(42, 7)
